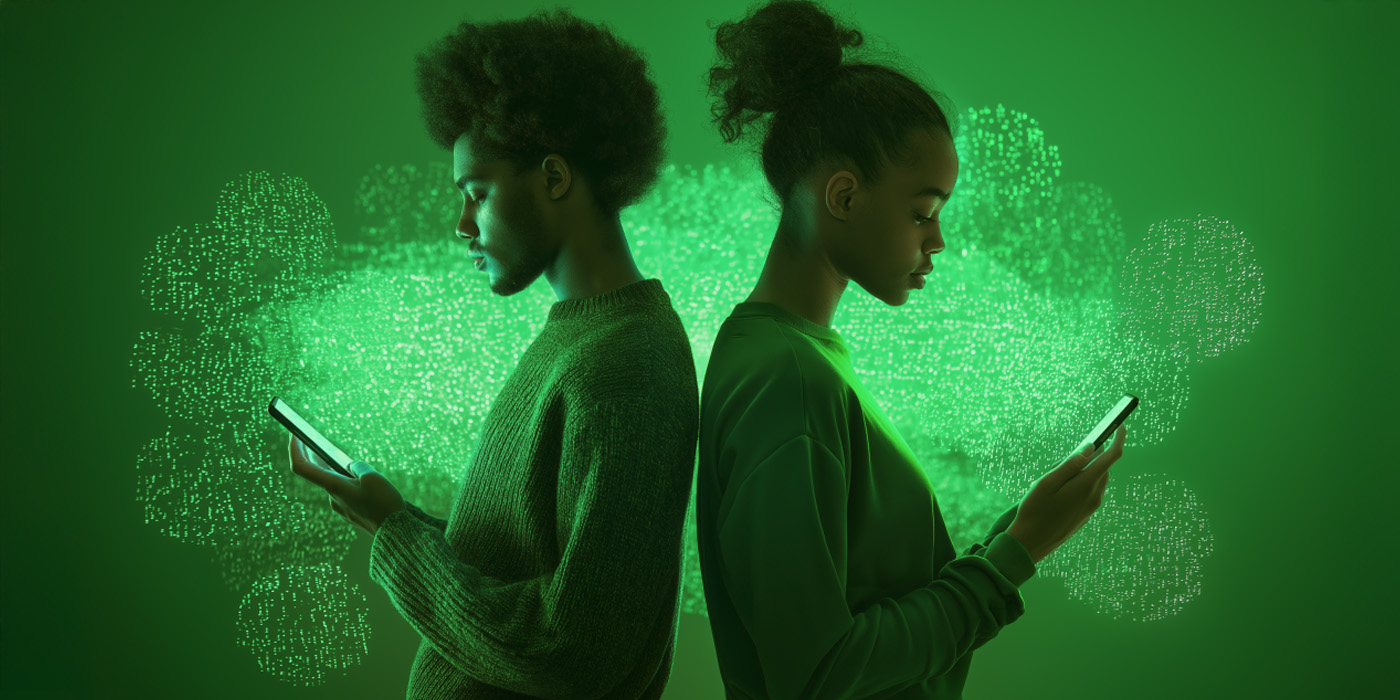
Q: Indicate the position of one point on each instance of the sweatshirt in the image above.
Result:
(557, 572)
(827, 569)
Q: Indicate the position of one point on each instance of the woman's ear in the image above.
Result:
(842, 190)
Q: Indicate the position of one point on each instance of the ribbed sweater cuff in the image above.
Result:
(1010, 557)
(391, 541)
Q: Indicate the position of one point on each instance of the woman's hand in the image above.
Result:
(1063, 500)
(364, 501)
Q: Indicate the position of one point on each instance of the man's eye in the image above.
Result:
(478, 197)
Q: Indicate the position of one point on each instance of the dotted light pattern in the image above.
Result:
(1140, 556)
(988, 367)
(231, 371)
(1063, 238)
(704, 233)
(400, 366)
(304, 622)
(267, 236)
(1193, 286)
(1076, 365)
(396, 347)
(195, 488)
(406, 203)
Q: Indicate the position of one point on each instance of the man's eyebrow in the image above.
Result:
(462, 181)
(934, 191)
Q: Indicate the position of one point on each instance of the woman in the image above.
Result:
(827, 568)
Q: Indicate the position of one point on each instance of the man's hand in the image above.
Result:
(364, 501)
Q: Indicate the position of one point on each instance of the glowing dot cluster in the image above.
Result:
(267, 235)
(407, 203)
(1062, 238)
(1140, 557)
(1193, 286)
(303, 623)
(196, 489)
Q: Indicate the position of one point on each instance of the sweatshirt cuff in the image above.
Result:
(1010, 557)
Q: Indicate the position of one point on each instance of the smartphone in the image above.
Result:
(1116, 415)
(311, 437)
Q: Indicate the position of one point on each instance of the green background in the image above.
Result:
(121, 120)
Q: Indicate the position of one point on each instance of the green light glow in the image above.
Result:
(1032, 324)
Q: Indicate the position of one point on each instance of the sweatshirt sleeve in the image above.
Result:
(783, 559)
(580, 629)
(438, 524)
(1011, 548)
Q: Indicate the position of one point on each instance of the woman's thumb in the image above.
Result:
(1071, 466)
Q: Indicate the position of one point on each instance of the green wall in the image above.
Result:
(121, 121)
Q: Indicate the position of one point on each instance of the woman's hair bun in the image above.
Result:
(775, 56)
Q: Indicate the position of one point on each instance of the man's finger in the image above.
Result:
(304, 468)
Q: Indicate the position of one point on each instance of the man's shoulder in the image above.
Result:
(636, 353)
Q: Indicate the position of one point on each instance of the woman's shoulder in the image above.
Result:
(755, 355)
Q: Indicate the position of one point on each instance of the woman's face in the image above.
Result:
(892, 228)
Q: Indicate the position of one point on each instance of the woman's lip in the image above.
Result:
(919, 280)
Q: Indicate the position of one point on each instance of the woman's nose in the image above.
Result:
(937, 242)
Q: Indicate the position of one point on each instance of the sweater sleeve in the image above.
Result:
(783, 554)
(438, 524)
(580, 629)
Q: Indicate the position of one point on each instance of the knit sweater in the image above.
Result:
(557, 572)
(827, 568)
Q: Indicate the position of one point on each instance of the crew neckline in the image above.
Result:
(771, 310)
(647, 292)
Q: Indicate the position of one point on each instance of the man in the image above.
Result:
(557, 573)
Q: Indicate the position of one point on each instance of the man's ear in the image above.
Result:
(558, 176)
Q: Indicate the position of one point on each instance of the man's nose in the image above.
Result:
(466, 229)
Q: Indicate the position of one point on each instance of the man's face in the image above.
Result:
(501, 219)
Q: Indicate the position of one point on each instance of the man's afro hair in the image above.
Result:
(548, 83)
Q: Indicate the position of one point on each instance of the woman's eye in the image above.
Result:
(922, 219)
